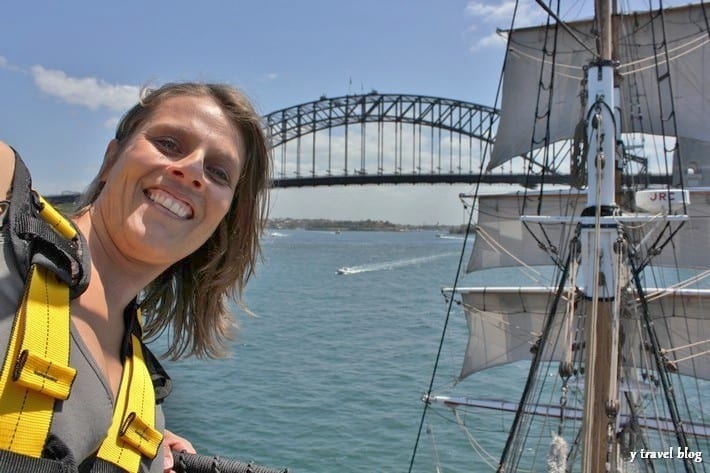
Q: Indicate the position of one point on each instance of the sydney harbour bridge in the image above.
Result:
(380, 139)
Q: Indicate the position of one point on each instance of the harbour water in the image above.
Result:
(328, 376)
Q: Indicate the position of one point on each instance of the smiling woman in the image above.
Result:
(169, 226)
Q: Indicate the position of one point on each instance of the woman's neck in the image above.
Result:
(116, 278)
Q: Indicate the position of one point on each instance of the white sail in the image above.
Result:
(686, 33)
(696, 164)
(502, 240)
(505, 323)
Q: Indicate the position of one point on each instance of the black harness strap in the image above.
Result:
(34, 241)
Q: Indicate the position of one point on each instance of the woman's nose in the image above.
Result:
(190, 168)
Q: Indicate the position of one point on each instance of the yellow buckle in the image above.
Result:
(56, 220)
(44, 376)
(140, 435)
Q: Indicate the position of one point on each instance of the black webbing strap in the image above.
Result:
(56, 458)
(195, 463)
(35, 241)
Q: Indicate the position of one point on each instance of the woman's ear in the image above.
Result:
(110, 155)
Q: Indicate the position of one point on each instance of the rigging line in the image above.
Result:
(546, 247)
(702, 39)
(705, 17)
(665, 61)
(545, 166)
(535, 363)
(633, 419)
(549, 246)
(689, 357)
(613, 389)
(568, 319)
(549, 88)
(680, 285)
(487, 458)
(443, 334)
(690, 345)
(672, 115)
(521, 335)
(549, 63)
(654, 249)
(550, 95)
(494, 244)
(463, 250)
(456, 279)
(434, 448)
(566, 28)
(524, 266)
(681, 436)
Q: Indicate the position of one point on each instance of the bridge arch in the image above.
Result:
(466, 118)
(292, 125)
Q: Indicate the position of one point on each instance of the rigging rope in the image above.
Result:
(652, 296)
(689, 357)
(487, 458)
(494, 244)
(702, 42)
(661, 367)
(683, 347)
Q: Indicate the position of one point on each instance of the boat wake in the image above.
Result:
(444, 236)
(388, 265)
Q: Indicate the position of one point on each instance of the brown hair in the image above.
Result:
(188, 299)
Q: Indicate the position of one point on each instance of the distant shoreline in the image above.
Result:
(355, 225)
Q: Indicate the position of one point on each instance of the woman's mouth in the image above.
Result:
(169, 202)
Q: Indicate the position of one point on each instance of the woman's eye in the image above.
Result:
(167, 144)
(219, 174)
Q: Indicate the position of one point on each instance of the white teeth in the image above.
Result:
(164, 199)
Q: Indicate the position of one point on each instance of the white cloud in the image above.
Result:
(271, 76)
(490, 41)
(501, 14)
(85, 91)
(491, 13)
(6, 65)
(498, 16)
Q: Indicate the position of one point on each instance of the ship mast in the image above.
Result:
(599, 263)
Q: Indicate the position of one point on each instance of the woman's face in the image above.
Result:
(173, 181)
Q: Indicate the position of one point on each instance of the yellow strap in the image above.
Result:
(132, 432)
(36, 371)
(56, 220)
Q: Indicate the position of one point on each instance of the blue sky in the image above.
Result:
(69, 69)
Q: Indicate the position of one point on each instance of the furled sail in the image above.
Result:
(686, 33)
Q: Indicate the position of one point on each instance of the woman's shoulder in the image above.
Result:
(7, 165)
